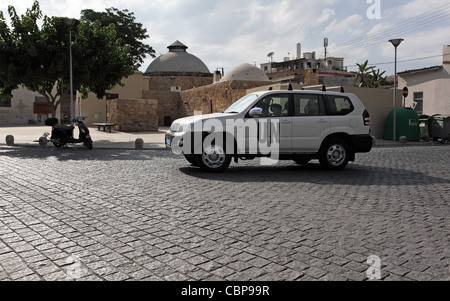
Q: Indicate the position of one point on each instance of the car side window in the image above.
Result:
(308, 105)
(338, 105)
(276, 105)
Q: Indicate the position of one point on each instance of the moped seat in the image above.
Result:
(65, 127)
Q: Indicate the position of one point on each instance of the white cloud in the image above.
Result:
(350, 26)
(326, 15)
(417, 7)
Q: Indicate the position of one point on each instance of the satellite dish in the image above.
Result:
(270, 54)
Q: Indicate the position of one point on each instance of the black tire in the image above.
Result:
(89, 144)
(334, 154)
(191, 159)
(213, 159)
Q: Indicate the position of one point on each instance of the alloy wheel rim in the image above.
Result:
(213, 156)
(336, 155)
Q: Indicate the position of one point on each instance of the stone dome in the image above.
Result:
(177, 62)
(245, 72)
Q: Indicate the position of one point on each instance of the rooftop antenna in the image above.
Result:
(325, 45)
(271, 56)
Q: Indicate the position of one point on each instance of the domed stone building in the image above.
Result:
(178, 62)
(170, 74)
(245, 72)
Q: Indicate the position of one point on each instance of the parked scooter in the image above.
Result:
(63, 134)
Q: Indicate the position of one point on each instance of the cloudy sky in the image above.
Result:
(226, 33)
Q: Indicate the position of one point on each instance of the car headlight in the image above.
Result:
(181, 128)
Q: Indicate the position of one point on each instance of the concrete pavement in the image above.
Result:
(29, 136)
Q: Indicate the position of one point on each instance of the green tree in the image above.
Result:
(368, 77)
(128, 30)
(38, 57)
(363, 74)
(377, 78)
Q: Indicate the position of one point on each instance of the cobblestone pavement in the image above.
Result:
(73, 214)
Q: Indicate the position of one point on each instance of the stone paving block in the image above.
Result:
(177, 223)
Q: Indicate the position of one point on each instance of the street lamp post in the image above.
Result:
(70, 23)
(396, 43)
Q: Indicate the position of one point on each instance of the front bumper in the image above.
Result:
(169, 138)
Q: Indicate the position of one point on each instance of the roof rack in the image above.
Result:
(324, 88)
(290, 88)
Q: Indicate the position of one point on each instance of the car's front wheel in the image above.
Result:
(213, 159)
(334, 154)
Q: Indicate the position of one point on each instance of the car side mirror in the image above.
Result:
(255, 112)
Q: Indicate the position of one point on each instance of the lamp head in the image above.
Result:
(396, 42)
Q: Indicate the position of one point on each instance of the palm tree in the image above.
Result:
(377, 78)
(363, 73)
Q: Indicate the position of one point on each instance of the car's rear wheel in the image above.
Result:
(213, 159)
(334, 154)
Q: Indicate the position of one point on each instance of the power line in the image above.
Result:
(416, 19)
(424, 20)
(402, 61)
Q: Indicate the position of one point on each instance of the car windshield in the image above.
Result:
(241, 104)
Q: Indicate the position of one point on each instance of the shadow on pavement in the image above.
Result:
(79, 153)
(354, 174)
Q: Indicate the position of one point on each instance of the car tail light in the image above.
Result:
(366, 117)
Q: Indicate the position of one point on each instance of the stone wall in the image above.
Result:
(169, 105)
(216, 97)
(133, 115)
(177, 83)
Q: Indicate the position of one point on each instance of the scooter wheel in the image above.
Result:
(88, 143)
(58, 145)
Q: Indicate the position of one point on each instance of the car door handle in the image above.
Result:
(323, 121)
(285, 121)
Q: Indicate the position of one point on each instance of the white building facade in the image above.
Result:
(429, 88)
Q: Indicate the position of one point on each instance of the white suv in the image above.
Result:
(296, 125)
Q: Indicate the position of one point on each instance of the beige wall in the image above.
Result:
(21, 110)
(133, 86)
(379, 103)
(95, 108)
